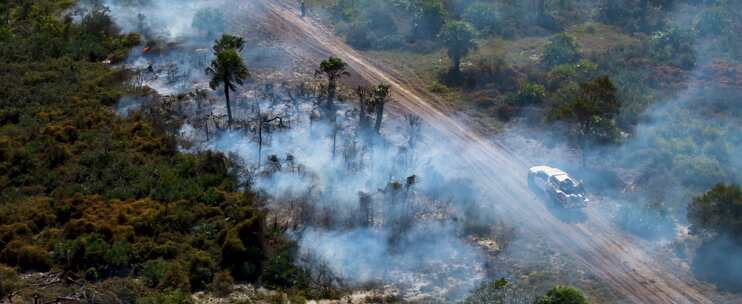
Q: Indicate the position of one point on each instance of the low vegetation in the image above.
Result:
(106, 201)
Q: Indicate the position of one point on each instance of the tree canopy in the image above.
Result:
(227, 70)
(458, 36)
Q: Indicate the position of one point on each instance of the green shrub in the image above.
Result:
(530, 94)
(176, 277)
(242, 249)
(222, 284)
(25, 256)
(153, 272)
(9, 281)
(562, 295)
(201, 268)
(167, 297)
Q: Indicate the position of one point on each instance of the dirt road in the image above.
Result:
(606, 251)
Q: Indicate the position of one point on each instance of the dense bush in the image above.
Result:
(104, 197)
(562, 295)
(9, 281)
(222, 284)
(717, 217)
(25, 256)
(530, 94)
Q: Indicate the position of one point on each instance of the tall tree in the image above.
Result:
(458, 37)
(333, 69)
(227, 70)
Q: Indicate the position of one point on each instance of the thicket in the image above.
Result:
(716, 216)
(103, 198)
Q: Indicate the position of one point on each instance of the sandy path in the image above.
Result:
(606, 251)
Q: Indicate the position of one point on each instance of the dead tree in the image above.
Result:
(263, 122)
(414, 124)
(381, 97)
(363, 100)
(365, 205)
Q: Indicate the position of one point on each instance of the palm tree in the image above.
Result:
(229, 42)
(333, 68)
(229, 70)
(458, 36)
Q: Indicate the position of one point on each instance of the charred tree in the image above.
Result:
(365, 205)
(381, 97)
(364, 94)
(333, 69)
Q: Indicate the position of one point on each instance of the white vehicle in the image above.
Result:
(558, 185)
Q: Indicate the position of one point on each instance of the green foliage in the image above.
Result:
(26, 257)
(562, 49)
(718, 211)
(458, 37)
(167, 297)
(530, 94)
(227, 69)
(717, 217)
(592, 112)
(242, 248)
(562, 295)
(209, 20)
(280, 271)
(333, 68)
(85, 191)
(153, 272)
(9, 281)
(227, 42)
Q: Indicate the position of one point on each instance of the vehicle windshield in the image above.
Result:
(569, 186)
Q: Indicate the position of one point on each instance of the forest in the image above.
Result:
(157, 151)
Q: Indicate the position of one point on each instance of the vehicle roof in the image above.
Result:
(548, 170)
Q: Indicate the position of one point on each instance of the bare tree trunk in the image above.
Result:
(334, 139)
(260, 140)
(330, 101)
(229, 106)
(456, 64)
(379, 116)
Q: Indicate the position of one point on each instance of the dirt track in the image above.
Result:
(609, 253)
